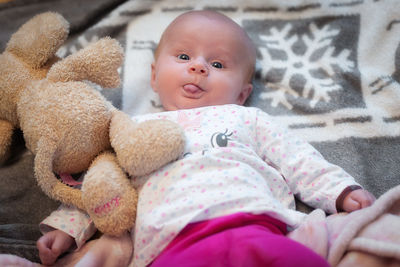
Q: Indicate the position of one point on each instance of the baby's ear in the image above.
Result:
(153, 77)
(244, 94)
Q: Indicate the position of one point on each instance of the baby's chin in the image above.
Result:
(184, 105)
(189, 103)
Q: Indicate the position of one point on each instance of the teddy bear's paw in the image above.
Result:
(108, 196)
(145, 147)
(116, 214)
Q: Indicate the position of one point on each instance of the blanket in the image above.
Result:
(367, 237)
(329, 70)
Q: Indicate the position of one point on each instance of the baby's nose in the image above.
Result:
(198, 68)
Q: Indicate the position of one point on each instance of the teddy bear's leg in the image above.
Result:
(43, 166)
(145, 147)
(6, 131)
(108, 196)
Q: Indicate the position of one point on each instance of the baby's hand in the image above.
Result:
(52, 244)
(357, 199)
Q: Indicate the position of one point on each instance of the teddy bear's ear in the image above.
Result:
(39, 38)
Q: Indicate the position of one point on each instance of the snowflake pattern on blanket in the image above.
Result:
(305, 62)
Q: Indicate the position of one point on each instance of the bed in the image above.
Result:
(328, 70)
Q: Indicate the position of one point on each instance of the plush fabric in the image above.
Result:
(367, 237)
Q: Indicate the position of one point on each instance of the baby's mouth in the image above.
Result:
(192, 90)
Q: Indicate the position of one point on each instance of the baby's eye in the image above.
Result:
(217, 65)
(183, 56)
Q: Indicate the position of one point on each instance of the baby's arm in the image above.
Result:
(62, 226)
(52, 244)
(312, 179)
(354, 199)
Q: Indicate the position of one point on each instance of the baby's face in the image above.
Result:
(202, 61)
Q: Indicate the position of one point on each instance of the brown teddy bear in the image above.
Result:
(71, 128)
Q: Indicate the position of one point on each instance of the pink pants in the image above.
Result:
(240, 239)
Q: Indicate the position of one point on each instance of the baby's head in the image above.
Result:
(203, 58)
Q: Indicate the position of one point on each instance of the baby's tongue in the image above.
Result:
(191, 88)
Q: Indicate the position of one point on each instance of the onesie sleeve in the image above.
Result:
(72, 221)
(311, 178)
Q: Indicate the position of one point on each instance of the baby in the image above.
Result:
(230, 199)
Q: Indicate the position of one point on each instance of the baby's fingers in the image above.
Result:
(46, 255)
(351, 204)
(358, 199)
(367, 200)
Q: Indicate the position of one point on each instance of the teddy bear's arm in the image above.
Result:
(6, 131)
(98, 62)
(145, 147)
